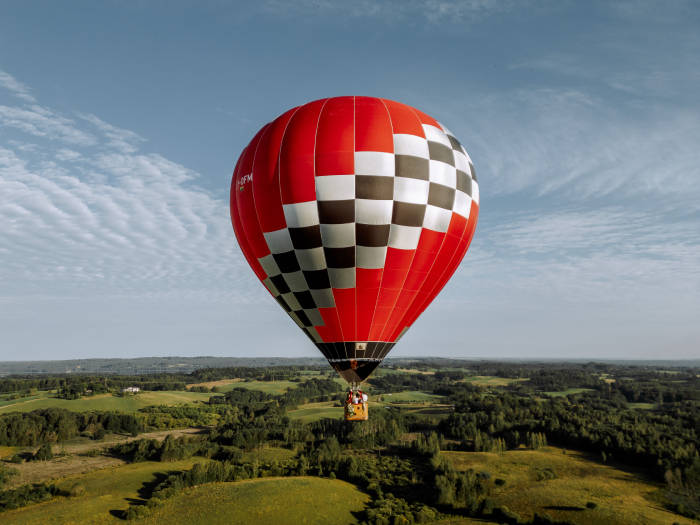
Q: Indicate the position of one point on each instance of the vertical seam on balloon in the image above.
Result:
(379, 291)
(325, 263)
(384, 334)
(252, 182)
(439, 249)
(354, 169)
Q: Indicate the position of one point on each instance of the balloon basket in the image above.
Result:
(356, 411)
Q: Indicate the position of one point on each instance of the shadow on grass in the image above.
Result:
(564, 507)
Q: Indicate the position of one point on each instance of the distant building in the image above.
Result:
(131, 389)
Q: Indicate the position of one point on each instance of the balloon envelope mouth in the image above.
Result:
(353, 370)
(354, 360)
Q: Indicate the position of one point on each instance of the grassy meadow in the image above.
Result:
(620, 496)
(128, 403)
(106, 490)
(293, 501)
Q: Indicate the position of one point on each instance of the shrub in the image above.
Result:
(591, 505)
(44, 453)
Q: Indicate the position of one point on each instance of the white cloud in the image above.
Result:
(86, 214)
(18, 89)
(568, 143)
(392, 11)
(42, 122)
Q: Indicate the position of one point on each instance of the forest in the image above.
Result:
(643, 418)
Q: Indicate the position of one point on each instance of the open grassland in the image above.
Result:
(642, 406)
(293, 501)
(560, 484)
(76, 456)
(270, 387)
(568, 391)
(106, 490)
(315, 411)
(412, 396)
(492, 380)
(415, 403)
(128, 403)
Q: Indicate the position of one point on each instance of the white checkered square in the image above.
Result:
(475, 191)
(434, 134)
(461, 161)
(374, 163)
(411, 190)
(269, 265)
(291, 301)
(370, 211)
(370, 257)
(279, 241)
(311, 259)
(342, 277)
(436, 219)
(462, 204)
(296, 282)
(301, 214)
(335, 187)
(271, 287)
(442, 173)
(405, 144)
(338, 235)
(323, 297)
(314, 316)
(404, 237)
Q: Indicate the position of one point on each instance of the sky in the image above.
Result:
(121, 122)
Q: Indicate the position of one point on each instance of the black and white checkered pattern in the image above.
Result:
(296, 269)
(387, 202)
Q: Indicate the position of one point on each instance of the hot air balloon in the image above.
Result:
(354, 212)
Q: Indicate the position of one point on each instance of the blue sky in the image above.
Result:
(120, 123)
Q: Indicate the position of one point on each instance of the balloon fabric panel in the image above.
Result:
(354, 212)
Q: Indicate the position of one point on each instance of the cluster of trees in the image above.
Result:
(55, 424)
(26, 495)
(170, 449)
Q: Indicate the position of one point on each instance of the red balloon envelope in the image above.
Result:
(354, 212)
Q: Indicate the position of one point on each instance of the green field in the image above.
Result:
(129, 403)
(269, 387)
(106, 490)
(411, 396)
(642, 406)
(621, 497)
(316, 411)
(492, 380)
(293, 501)
(414, 402)
(568, 391)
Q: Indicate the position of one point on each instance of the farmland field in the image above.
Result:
(492, 380)
(410, 397)
(307, 500)
(270, 387)
(129, 403)
(620, 496)
(316, 411)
